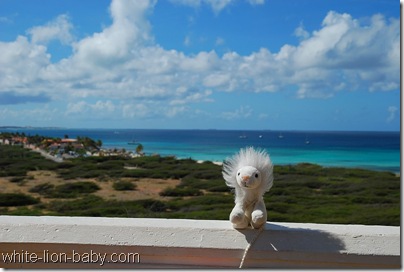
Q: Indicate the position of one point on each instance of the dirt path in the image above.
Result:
(47, 156)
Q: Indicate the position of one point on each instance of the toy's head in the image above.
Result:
(248, 177)
(249, 169)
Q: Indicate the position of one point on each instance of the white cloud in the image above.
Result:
(196, 96)
(216, 80)
(202, 62)
(263, 116)
(41, 116)
(392, 113)
(20, 66)
(129, 30)
(256, 2)
(191, 3)
(345, 51)
(241, 113)
(106, 106)
(76, 108)
(123, 63)
(187, 41)
(83, 107)
(6, 20)
(175, 111)
(151, 109)
(216, 5)
(300, 32)
(58, 29)
(219, 41)
(135, 110)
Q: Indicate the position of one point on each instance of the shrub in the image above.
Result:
(43, 188)
(17, 179)
(26, 211)
(96, 206)
(152, 205)
(208, 174)
(70, 190)
(212, 185)
(124, 186)
(67, 190)
(313, 184)
(111, 165)
(8, 200)
(77, 206)
(181, 191)
(220, 188)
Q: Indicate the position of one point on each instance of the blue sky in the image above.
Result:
(201, 64)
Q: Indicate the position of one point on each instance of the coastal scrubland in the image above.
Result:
(166, 187)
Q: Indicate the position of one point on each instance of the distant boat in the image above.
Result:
(280, 136)
(307, 141)
(243, 136)
(133, 142)
(260, 136)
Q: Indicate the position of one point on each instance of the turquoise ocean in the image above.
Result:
(369, 150)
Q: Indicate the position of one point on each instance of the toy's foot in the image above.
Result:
(258, 219)
(239, 220)
(242, 225)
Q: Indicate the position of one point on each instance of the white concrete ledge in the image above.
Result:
(84, 242)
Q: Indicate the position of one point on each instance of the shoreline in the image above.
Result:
(214, 162)
(397, 174)
(220, 163)
(325, 149)
(384, 166)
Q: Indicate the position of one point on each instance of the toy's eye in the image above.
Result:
(238, 174)
(256, 175)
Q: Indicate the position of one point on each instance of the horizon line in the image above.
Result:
(206, 129)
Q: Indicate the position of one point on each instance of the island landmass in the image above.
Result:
(76, 177)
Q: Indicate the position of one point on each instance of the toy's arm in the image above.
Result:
(238, 218)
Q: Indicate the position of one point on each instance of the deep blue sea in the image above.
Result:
(370, 150)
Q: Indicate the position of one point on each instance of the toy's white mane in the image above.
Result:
(249, 156)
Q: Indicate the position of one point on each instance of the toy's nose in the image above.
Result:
(245, 178)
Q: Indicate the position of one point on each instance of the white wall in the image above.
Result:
(161, 243)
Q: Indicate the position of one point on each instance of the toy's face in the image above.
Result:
(248, 177)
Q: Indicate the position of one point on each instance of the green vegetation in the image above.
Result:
(122, 185)
(67, 190)
(334, 195)
(181, 191)
(16, 161)
(301, 193)
(9, 200)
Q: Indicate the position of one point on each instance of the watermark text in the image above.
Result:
(92, 257)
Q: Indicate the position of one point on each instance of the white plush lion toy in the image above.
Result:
(250, 172)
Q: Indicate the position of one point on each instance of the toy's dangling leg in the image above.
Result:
(238, 218)
(259, 215)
